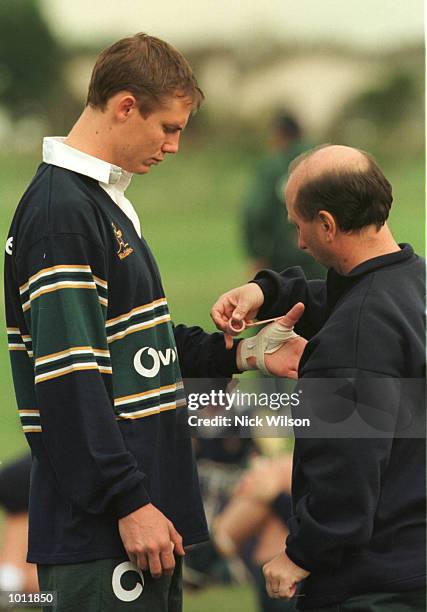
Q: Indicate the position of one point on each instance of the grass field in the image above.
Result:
(189, 210)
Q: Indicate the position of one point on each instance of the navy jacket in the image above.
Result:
(358, 520)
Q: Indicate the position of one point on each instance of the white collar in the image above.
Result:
(56, 152)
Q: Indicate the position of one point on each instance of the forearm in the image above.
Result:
(337, 481)
(93, 468)
(203, 355)
(282, 291)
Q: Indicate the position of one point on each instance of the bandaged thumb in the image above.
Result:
(269, 340)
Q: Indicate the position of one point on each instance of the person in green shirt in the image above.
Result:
(268, 237)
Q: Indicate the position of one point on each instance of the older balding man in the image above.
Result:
(357, 534)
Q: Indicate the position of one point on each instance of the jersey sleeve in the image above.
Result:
(283, 290)
(337, 481)
(63, 298)
(203, 355)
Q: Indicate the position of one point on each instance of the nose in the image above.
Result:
(171, 144)
(300, 242)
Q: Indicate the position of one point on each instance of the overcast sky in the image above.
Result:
(368, 23)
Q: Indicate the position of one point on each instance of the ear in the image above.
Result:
(328, 224)
(124, 106)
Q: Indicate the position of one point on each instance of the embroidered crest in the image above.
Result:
(124, 248)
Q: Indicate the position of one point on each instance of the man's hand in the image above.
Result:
(282, 359)
(150, 540)
(282, 577)
(235, 306)
(285, 361)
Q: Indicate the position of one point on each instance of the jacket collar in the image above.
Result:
(339, 284)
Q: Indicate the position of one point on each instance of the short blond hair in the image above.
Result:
(150, 68)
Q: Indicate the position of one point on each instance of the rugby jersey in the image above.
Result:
(96, 371)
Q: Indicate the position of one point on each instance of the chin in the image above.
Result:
(326, 262)
(142, 169)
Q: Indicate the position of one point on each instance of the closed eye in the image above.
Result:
(172, 129)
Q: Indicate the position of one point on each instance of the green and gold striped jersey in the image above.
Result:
(96, 371)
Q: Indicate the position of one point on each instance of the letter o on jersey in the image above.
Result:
(119, 591)
(147, 372)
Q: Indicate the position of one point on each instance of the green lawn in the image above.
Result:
(225, 599)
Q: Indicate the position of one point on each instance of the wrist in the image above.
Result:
(267, 289)
(243, 363)
(132, 500)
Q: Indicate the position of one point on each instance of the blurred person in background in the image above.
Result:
(268, 238)
(237, 481)
(221, 460)
(97, 364)
(262, 497)
(15, 573)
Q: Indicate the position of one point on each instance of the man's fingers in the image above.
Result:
(237, 304)
(176, 541)
(155, 564)
(286, 591)
(132, 557)
(282, 576)
(161, 562)
(273, 587)
(219, 318)
(292, 317)
(168, 562)
(272, 583)
(221, 312)
(239, 314)
(278, 589)
(141, 561)
(228, 341)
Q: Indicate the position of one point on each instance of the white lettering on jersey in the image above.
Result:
(158, 358)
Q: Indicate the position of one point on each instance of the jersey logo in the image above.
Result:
(9, 245)
(158, 358)
(124, 248)
(119, 591)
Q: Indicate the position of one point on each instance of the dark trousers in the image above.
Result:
(110, 585)
(406, 601)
